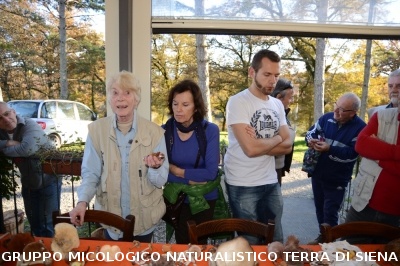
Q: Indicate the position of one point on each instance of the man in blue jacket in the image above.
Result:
(334, 136)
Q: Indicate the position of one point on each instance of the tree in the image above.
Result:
(326, 11)
(386, 56)
(25, 37)
(29, 56)
(230, 62)
(63, 57)
(172, 62)
(65, 13)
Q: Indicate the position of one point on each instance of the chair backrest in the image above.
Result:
(126, 225)
(197, 231)
(330, 234)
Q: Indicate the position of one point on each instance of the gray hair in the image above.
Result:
(395, 73)
(127, 81)
(355, 99)
(4, 104)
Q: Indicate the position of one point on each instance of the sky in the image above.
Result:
(99, 23)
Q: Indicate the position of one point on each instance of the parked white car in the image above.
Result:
(63, 121)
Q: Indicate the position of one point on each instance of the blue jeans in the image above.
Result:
(328, 198)
(40, 204)
(259, 203)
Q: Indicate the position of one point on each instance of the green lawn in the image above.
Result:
(299, 148)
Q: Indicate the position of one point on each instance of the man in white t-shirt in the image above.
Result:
(257, 132)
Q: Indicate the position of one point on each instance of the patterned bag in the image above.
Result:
(310, 160)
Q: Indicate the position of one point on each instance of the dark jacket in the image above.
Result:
(32, 138)
(336, 166)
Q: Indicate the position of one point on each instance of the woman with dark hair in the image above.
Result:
(193, 153)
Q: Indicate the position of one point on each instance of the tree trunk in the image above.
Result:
(319, 78)
(63, 52)
(367, 65)
(202, 62)
(203, 73)
(367, 73)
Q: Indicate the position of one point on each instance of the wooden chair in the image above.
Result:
(126, 225)
(359, 229)
(197, 231)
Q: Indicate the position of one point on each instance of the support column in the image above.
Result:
(125, 35)
(128, 44)
(141, 52)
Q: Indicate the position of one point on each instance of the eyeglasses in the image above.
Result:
(5, 114)
(341, 109)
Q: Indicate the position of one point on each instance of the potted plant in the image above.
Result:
(66, 160)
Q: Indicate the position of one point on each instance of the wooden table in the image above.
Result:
(129, 250)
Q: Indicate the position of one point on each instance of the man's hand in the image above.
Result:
(321, 146)
(77, 215)
(251, 131)
(312, 142)
(10, 143)
(250, 144)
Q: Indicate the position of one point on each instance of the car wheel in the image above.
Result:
(55, 140)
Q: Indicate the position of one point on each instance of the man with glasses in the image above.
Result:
(335, 163)
(21, 138)
(393, 89)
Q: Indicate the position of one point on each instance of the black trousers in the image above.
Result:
(181, 234)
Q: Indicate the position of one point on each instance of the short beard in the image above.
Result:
(259, 87)
(394, 101)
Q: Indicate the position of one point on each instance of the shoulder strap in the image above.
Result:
(202, 140)
(169, 137)
(200, 135)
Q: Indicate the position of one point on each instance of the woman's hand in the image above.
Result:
(154, 160)
(175, 170)
(77, 215)
(196, 183)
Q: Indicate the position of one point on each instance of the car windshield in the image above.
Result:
(25, 109)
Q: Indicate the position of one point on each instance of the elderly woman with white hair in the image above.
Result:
(124, 163)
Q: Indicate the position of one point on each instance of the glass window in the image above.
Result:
(66, 110)
(48, 110)
(25, 109)
(84, 112)
(289, 11)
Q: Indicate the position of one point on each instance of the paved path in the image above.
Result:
(298, 210)
(299, 219)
